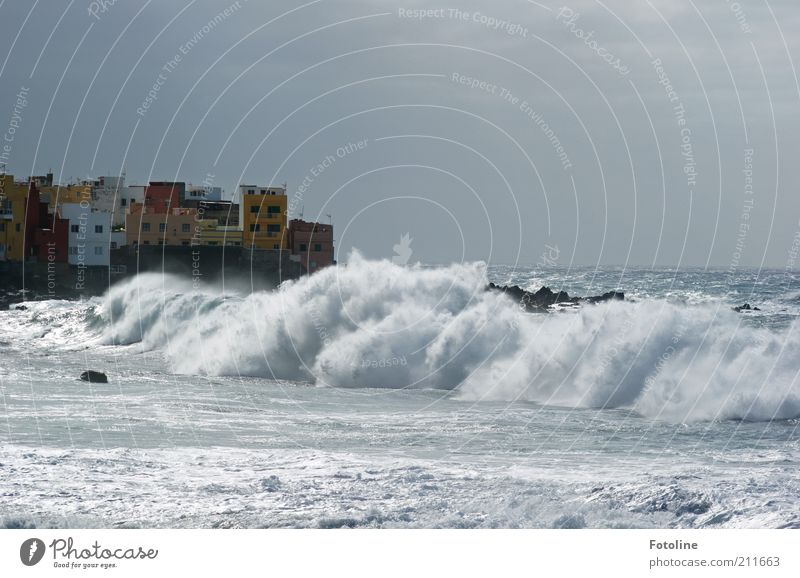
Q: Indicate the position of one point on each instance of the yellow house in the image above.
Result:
(178, 226)
(262, 217)
(59, 194)
(213, 234)
(12, 218)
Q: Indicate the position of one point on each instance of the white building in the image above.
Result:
(202, 193)
(110, 195)
(90, 235)
(127, 196)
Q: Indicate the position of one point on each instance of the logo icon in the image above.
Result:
(403, 250)
(31, 552)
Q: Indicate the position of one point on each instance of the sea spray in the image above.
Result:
(333, 328)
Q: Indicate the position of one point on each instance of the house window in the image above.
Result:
(145, 227)
(251, 191)
(162, 227)
(273, 210)
(318, 247)
(17, 227)
(113, 244)
(213, 243)
(184, 243)
(74, 228)
(2, 226)
(146, 242)
(303, 247)
(124, 201)
(276, 246)
(98, 228)
(255, 227)
(98, 250)
(273, 228)
(185, 228)
(254, 208)
(263, 191)
(73, 250)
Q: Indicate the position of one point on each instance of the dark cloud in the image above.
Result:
(270, 90)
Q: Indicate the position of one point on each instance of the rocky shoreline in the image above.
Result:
(545, 299)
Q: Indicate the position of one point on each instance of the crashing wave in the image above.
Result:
(379, 325)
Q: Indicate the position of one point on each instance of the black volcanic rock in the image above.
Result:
(745, 307)
(545, 297)
(609, 296)
(94, 376)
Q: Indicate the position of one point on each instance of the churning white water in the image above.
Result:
(378, 325)
(386, 396)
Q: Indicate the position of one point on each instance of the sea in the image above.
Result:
(375, 395)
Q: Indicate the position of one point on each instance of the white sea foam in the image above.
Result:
(376, 324)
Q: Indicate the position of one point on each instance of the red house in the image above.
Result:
(161, 196)
(311, 244)
(46, 235)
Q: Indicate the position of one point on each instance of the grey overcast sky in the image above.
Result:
(639, 132)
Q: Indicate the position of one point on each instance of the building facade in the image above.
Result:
(12, 218)
(196, 194)
(262, 217)
(147, 226)
(311, 244)
(214, 235)
(162, 196)
(91, 237)
(45, 234)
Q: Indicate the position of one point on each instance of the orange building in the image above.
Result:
(151, 226)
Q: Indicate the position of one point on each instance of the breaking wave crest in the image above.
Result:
(379, 325)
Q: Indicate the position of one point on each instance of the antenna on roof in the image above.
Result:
(302, 209)
(330, 218)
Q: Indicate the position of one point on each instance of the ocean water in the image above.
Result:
(374, 395)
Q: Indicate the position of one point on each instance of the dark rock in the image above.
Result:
(545, 297)
(745, 307)
(94, 376)
(609, 296)
(20, 308)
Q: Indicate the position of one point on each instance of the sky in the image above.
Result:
(649, 133)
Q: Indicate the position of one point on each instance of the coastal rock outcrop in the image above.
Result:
(546, 298)
(94, 376)
(745, 307)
